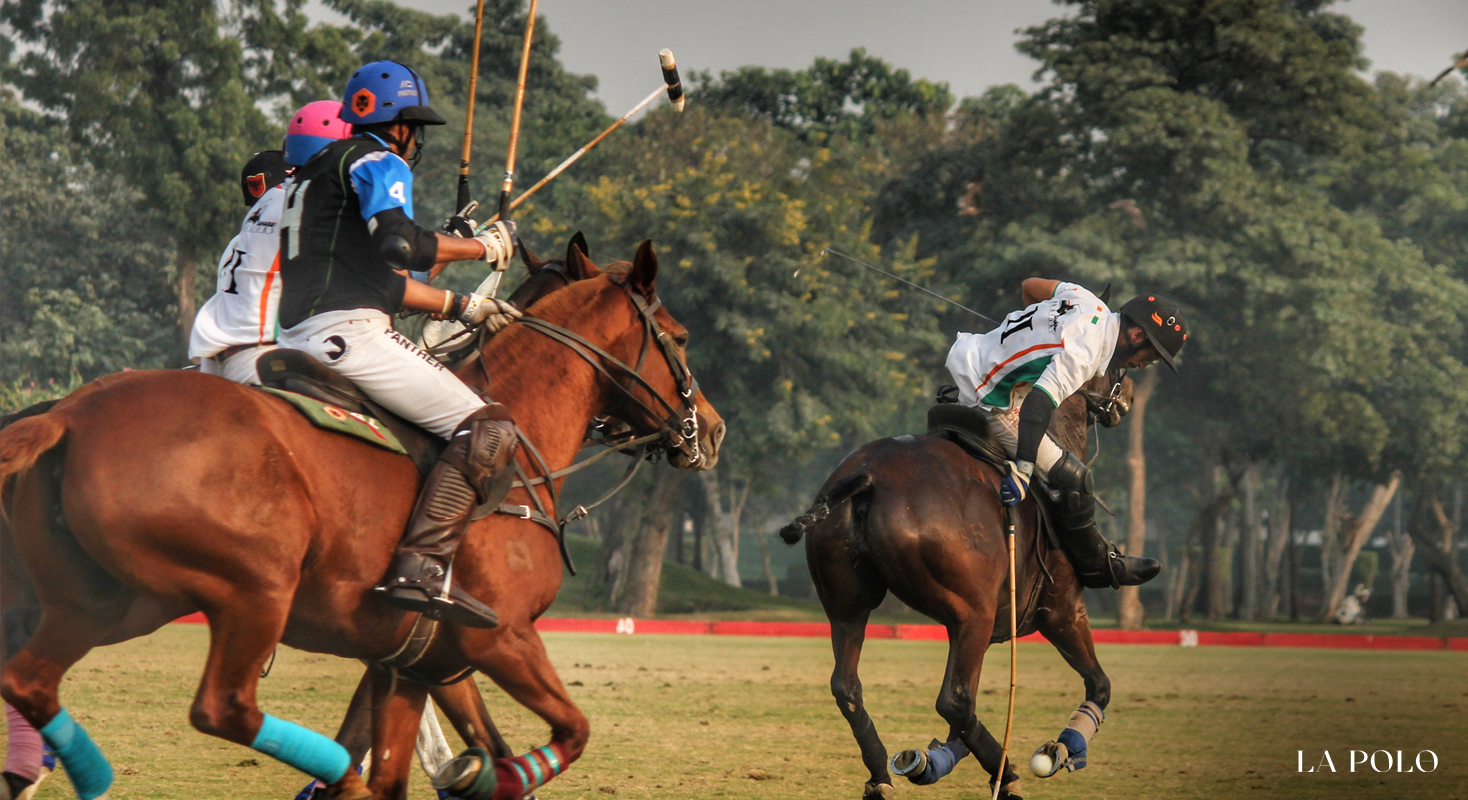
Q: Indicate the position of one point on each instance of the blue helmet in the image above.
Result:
(386, 91)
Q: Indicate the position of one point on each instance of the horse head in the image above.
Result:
(546, 276)
(639, 346)
(1108, 397)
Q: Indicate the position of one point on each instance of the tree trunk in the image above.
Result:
(639, 598)
(1330, 533)
(725, 524)
(184, 289)
(1279, 531)
(764, 546)
(1217, 557)
(1131, 614)
(1438, 559)
(1250, 547)
(619, 532)
(1201, 535)
(1364, 524)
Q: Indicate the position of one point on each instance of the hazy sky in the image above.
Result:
(968, 43)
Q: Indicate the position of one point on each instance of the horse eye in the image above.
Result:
(681, 340)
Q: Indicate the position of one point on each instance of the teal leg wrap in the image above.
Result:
(88, 769)
(306, 750)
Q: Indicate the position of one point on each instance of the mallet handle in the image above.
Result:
(509, 181)
(463, 198)
(1013, 651)
(576, 156)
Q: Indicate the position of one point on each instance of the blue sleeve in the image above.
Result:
(382, 181)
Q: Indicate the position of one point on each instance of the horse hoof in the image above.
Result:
(350, 787)
(1048, 759)
(910, 764)
(471, 776)
(878, 791)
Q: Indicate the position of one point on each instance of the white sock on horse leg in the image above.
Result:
(433, 749)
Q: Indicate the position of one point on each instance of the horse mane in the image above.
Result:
(558, 303)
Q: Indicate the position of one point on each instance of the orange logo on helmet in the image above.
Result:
(256, 184)
(363, 102)
(1157, 318)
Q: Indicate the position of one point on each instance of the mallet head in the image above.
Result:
(670, 77)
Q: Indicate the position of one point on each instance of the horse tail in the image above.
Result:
(843, 490)
(24, 442)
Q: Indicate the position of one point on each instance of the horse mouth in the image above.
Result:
(705, 451)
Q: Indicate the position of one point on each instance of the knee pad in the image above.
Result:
(1071, 481)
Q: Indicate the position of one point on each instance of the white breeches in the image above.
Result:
(360, 345)
(1005, 425)
(239, 367)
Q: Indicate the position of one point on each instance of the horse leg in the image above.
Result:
(847, 638)
(79, 604)
(967, 644)
(464, 706)
(516, 661)
(397, 708)
(1070, 632)
(242, 635)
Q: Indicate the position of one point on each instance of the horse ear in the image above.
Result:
(532, 261)
(578, 263)
(644, 269)
(1106, 296)
(578, 240)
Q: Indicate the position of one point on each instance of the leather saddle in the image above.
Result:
(965, 427)
(296, 371)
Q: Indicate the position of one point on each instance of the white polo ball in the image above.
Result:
(1042, 764)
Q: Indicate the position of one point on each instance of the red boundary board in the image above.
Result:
(1351, 641)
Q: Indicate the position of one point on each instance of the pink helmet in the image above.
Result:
(312, 128)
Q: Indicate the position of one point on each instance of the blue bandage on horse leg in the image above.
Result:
(1076, 737)
(306, 750)
(941, 761)
(88, 769)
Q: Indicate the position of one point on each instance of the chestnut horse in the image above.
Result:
(921, 518)
(126, 518)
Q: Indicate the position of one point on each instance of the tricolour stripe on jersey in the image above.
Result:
(1006, 362)
(265, 297)
(998, 397)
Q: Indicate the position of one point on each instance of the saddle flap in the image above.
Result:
(967, 428)
(296, 371)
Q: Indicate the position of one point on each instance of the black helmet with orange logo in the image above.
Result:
(1158, 317)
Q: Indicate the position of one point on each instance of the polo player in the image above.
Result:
(1020, 372)
(348, 243)
(237, 325)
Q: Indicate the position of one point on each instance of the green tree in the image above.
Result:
(154, 93)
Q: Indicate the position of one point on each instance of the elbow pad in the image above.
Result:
(401, 243)
(1034, 420)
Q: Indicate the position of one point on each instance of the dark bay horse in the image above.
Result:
(128, 514)
(919, 517)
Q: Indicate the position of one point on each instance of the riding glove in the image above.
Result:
(495, 314)
(499, 243)
(1014, 486)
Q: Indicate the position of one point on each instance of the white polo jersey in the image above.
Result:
(1055, 345)
(247, 295)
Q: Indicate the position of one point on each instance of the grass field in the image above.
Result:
(732, 717)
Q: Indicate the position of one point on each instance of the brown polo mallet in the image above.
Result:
(509, 182)
(1009, 514)
(671, 85)
(462, 202)
(1460, 61)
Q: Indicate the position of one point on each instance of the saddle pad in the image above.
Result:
(329, 417)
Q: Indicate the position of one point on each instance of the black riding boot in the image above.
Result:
(1097, 562)
(477, 466)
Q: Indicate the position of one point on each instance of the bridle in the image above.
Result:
(1108, 405)
(678, 430)
(678, 426)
